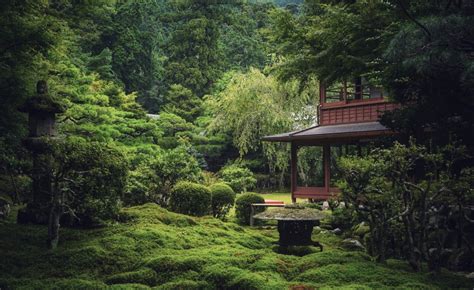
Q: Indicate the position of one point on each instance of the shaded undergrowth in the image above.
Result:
(154, 248)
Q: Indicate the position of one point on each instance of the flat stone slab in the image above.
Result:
(289, 213)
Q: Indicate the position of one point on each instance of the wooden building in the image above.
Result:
(347, 115)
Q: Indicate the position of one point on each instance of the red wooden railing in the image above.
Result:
(354, 111)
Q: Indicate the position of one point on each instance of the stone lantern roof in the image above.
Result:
(42, 102)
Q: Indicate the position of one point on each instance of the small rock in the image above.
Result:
(361, 229)
(432, 251)
(325, 205)
(337, 231)
(317, 230)
(4, 210)
(470, 275)
(353, 244)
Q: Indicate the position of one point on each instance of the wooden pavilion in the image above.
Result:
(347, 115)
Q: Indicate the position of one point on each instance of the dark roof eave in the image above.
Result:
(351, 132)
(355, 135)
(277, 138)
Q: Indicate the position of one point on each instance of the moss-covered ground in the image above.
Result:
(153, 248)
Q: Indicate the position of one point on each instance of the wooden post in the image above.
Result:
(358, 88)
(322, 93)
(344, 92)
(327, 167)
(294, 170)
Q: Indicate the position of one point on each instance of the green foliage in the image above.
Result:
(135, 37)
(209, 178)
(341, 218)
(140, 187)
(190, 198)
(223, 198)
(174, 130)
(91, 177)
(241, 40)
(310, 166)
(182, 102)
(193, 60)
(172, 166)
(240, 179)
(250, 106)
(14, 185)
(242, 206)
(438, 78)
(156, 171)
(253, 105)
(336, 41)
(384, 195)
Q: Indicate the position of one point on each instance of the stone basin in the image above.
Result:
(295, 224)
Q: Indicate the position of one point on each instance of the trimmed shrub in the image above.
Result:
(242, 206)
(223, 198)
(239, 178)
(190, 198)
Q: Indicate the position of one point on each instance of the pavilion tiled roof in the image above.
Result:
(318, 132)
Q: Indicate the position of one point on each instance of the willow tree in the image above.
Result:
(253, 105)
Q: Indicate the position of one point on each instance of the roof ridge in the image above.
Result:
(303, 130)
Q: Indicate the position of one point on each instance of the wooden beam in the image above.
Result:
(294, 170)
(322, 93)
(344, 92)
(327, 167)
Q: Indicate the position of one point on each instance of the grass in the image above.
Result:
(154, 248)
(282, 196)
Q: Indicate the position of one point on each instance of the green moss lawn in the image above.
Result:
(153, 248)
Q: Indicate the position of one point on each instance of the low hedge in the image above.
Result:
(242, 206)
(223, 199)
(190, 198)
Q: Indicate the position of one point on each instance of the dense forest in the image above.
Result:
(162, 105)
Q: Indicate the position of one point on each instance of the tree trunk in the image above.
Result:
(53, 226)
(383, 239)
(460, 225)
(412, 250)
(423, 225)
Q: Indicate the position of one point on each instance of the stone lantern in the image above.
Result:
(42, 109)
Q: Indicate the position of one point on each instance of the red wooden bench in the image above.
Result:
(268, 203)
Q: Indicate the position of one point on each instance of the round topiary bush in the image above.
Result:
(223, 198)
(190, 198)
(242, 206)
